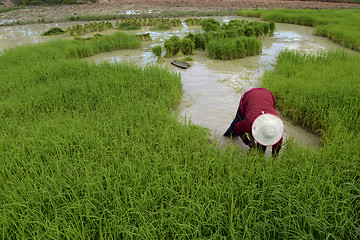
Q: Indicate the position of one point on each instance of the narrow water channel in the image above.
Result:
(212, 88)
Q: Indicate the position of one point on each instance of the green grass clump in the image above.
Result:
(128, 25)
(186, 59)
(68, 49)
(160, 27)
(232, 48)
(341, 26)
(8, 9)
(53, 31)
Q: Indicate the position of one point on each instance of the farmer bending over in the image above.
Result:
(257, 116)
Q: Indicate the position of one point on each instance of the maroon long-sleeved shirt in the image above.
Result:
(252, 103)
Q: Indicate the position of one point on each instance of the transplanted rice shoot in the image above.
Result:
(340, 26)
(314, 90)
(95, 151)
(157, 51)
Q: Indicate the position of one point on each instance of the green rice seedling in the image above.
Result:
(160, 27)
(234, 24)
(266, 28)
(69, 31)
(172, 46)
(200, 41)
(232, 48)
(210, 24)
(144, 37)
(128, 25)
(188, 46)
(316, 101)
(272, 27)
(95, 151)
(8, 9)
(193, 21)
(236, 28)
(175, 22)
(186, 59)
(152, 22)
(337, 25)
(53, 31)
(249, 31)
(108, 25)
(87, 28)
(157, 51)
(259, 30)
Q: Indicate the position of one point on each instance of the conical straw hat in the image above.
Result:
(267, 129)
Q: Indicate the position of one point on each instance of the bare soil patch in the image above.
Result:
(57, 13)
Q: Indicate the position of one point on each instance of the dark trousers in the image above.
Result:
(230, 132)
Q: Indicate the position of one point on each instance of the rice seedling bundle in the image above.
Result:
(175, 22)
(172, 46)
(218, 42)
(188, 46)
(88, 28)
(249, 28)
(128, 25)
(198, 39)
(193, 21)
(157, 51)
(144, 37)
(210, 24)
(232, 48)
(53, 31)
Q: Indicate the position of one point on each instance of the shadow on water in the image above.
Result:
(212, 88)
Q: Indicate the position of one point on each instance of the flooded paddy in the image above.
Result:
(212, 88)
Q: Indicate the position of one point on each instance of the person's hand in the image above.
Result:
(251, 145)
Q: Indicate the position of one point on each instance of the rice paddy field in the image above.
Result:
(96, 151)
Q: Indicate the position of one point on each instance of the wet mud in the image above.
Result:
(212, 88)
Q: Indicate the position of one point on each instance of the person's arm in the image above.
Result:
(242, 128)
(276, 148)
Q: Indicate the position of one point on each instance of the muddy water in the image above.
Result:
(212, 88)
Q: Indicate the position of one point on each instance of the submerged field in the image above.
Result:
(341, 26)
(96, 151)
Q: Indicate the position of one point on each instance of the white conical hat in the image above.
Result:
(267, 129)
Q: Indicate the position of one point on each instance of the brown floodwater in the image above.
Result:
(212, 88)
